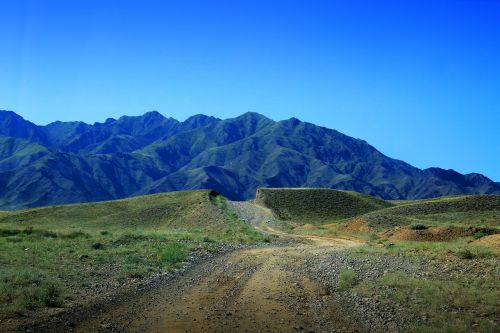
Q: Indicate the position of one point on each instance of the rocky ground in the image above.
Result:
(286, 286)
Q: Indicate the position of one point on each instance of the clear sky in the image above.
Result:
(419, 80)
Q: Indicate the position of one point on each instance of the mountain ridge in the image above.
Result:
(69, 162)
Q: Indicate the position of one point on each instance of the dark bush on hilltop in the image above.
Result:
(418, 226)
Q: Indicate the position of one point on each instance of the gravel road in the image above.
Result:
(289, 285)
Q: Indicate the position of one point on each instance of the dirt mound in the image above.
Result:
(358, 225)
(436, 234)
(491, 241)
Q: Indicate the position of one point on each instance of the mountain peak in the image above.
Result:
(7, 114)
(153, 114)
(233, 156)
(252, 115)
(12, 124)
(198, 120)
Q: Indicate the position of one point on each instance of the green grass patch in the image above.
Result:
(461, 248)
(465, 305)
(172, 254)
(347, 279)
(29, 290)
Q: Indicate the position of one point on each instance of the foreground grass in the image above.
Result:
(465, 305)
(53, 256)
(462, 248)
(47, 269)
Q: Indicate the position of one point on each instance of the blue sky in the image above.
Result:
(419, 80)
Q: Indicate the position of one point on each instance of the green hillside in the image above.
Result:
(183, 210)
(53, 255)
(316, 205)
(471, 210)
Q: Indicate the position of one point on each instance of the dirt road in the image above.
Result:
(247, 290)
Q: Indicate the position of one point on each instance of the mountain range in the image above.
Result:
(70, 162)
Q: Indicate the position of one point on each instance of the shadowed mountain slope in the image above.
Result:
(68, 162)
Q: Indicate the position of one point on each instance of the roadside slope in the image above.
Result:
(55, 258)
(315, 205)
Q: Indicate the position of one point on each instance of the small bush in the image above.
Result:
(9, 232)
(134, 259)
(51, 295)
(172, 254)
(207, 239)
(97, 246)
(75, 234)
(29, 231)
(105, 233)
(418, 226)
(480, 234)
(29, 290)
(46, 233)
(137, 272)
(347, 280)
(465, 254)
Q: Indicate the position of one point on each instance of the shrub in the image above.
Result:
(207, 239)
(51, 295)
(137, 272)
(9, 232)
(465, 254)
(97, 246)
(347, 280)
(418, 226)
(75, 234)
(30, 290)
(480, 234)
(172, 254)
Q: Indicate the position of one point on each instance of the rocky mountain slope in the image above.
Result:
(67, 162)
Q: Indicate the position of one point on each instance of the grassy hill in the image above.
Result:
(316, 205)
(465, 211)
(192, 211)
(54, 255)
